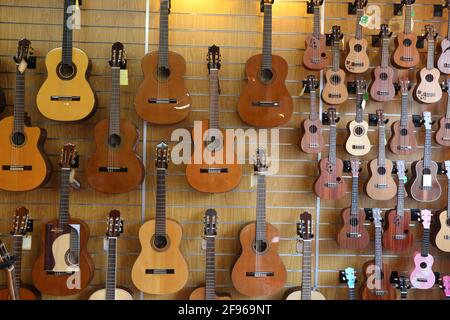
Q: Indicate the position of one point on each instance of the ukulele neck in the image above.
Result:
(210, 274)
(17, 253)
(19, 103)
(408, 15)
(355, 192)
(381, 145)
(448, 202)
(447, 114)
(160, 202)
(427, 149)
(261, 208)
(384, 52)
(163, 50)
(64, 198)
(430, 55)
(306, 270)
(425, 242)
(359, 30)
(404, 111)
(267, 38)
(314, 115)
(336, 55)
(401, 198)
(214, 99)
(359, 109)
(378, 253)
(332, 148)
(448, 28)
(316, 29)
(67, 34)
(111, 276)
(114, 109)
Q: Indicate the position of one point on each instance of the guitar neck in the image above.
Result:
(430, 56)
(210, 274)
(359, 109)
(336, 56)
(448, 27)
(351, 294)
(17, 253)
(316, 29)
(161, 202)
(306, 270)
(408, 9)
(163, 51)
(114, 109)
(67, 34)
(384, 52)
(448, 199)
(404, 111)
(64, 199)
(381, 145)
(447, 114)
(427, 149)
(214, 99)
(19, 103)
(261, 208)
(358, 29)
(313, 116)
(401, 198)
(267, 38)
(111, 269)
(378, 252)
(355, 193)
(332, 148)
(425, 242)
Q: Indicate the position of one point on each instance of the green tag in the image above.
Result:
(413, 13)
(364, 19)
(405, 179)
(366, 96)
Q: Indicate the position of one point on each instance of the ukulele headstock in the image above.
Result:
(118, 56)
(426, 115)
(21, 222)
(304, 227)
(336, 34)
(384, 32)
(23, 52)
(264, 3)
(361, 86)
(425, 217)
(401, 169)
(447, 168)
(114, 225)
(405, 84)
(407, 2)
(312, 83)
(446, 4)
(381, 117)
(430, 32)
(214, 57)
(210, 223)
(360, 4)
(260, 161)
(331, 113)
(377, 219)
(355, 165)
(69, 159)
(349, 277)
(162, 156)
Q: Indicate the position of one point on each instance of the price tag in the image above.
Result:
(276, 239)
(299, 246)
(123, 77)
(426, 180)
(26, 243)
(74, 183)
(365, 21)
(105, 244)
(366, 96)
(253, 180)
(22, 66)
(303, 91)
(203, 244)
(363, 104)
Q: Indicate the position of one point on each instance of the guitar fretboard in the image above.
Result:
(384, 52)
(332, 148)
(401, 199)
(448, 28)
(267, 38)
(381, 145)
(314, 115)
(359, 30)
(404, 112)
(163, 51)
(447, 114)
(359, 109)
(261, 208)
(336, 55)
(306, 270)
(427, 149)
(425, 242)
(351, 294)
(64, 199)
(430, 55)
(111, 269)
(67, 34)
(17, 253)
(378, 253)
(114, 109)
(210, 274)
(355, 193)
(448, 200)
(160, 202)
(408, 9)
(214, 99)
(19, 103)
(316, 30)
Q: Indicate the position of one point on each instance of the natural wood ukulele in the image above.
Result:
(315, 56)
(7, 264)
(115, 167)
(160, 267)
(442, 238)
(357, 60)
(162, 98)
(66, 94)
(23, 163)
(443, 133)
(259, 271)
(213, 173)
(265, 100)
(444, 59)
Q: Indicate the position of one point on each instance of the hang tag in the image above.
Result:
(365, 21)
(253, 180)
(22, 66)
(366, 96)
(26, 243)
(123, 77)
(76, 21)
(203, 244)
(299, 247)
(303, 91)
(363, 104)
(426, 180)
(275, 239)
(74, 183)
(405, 180)
(105, 244)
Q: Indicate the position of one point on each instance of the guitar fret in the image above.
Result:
(408, 19)
(359, 30)
(111, 269)
(430, 57)
(427, 149)
(114, 110)
(404, 111)
(64, 199)
(378, 252)
(384, 52)
(425, 242)
(401, 198)
(355, 193)
(160, 220)
(267, 38)
(306, 270)
(351, 294)
(163, 54)
(332, 148)
(313, 116)
(261, 208)
(19, 103)
(17, 253)
(214, 99)
(316, 32)
(210, 273)
(67, 35)
(336, 56)
(381, 146)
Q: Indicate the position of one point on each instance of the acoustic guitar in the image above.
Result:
(208, 292)
(429, 90)
(442, 238)
(265, 100)
(162, 98)
(115, 167)
(315, 56)
(382, 88)
(443, 63)
(381, 185)
(64, 266)
(111, 292)
(24, 165)
(305, 292)
(406, 54)
(312, 139)
(213, 172)
(349, 277)
(330, 185)
(422, 276)
(160, 267)
(443, 133)
(425, 186)
(22, 224)
(376, 284)
(357, 60)
(66, 94)
(259, 271)
(7, 264)
(358, 143)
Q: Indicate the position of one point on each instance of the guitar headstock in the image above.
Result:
(260, 161)
(384, 31)
(23, 52)
(336, 34)
(213, 57)
(377, 219)
(381, 117)
(404, 85)
(210, 223)
(355, 165)
(360, 4)
(162, 156)
(68, 157)
(21, 222)
(349, 277)
(446, 285)
(266, 2)
(361, 86)
(312, 82)
(425, 217)
(5, 257)
(447, 168)
(430, 32)
(401, 169)
(407, 2)
(118, 56)
(331, 113)
(304, 227)
(446, 4)
(403, 283)
(115, 224)
(426, 115)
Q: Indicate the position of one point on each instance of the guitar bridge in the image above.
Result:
(406, 58)
(113, 169)
(17, 168)
(260, 274)
(404, 147)
(381, 185)
(382, 93)
(214, 170)
(446, 237)
(313, 145)
(265, 104)
(65, 98)
(353, 235)
(334, 95)
(162, 101)
(399, 237)
(358, 147)
(357, 64)
(379, 292)
(159, 271)
(331, 184)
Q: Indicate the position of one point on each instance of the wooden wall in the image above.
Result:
(235, 26)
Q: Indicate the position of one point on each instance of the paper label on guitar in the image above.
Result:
(123, 77)
(253, 180)
(303, 91)
(365, 20)
(426, 180)
(203, 244)
(299, 247)
(105, 244)
(26, 243)
(363, 104)
(275, 239)
(22, 66)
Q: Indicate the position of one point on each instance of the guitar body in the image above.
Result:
(296, 294)
(422, 277)
(393, 224)
(352, 226)
(312, 140)
(31, 153)
(56, 284)
(382, 88)
(152, 258)
(417, 191)
(120, 294)
(335, 90)
(269, 260)
(330, 174)
(260, 90)
(123, 156)
(315, 56)
(358, 143)
(398, 135)
(442, 239)
(199, 294)
(406, 55)
(444, 59)
(429, 90)
(444, 126)
(357, 60)
(76, 86)
(376, 178)
(370, 294)
(25, 294)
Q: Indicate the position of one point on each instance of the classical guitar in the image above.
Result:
(442, 239)
(162, 98)
(315, 56)
(7, 264)
(397, 236)
(429, 90)
(376, 284)
(66, 94)
(444, 59)
(330, 185)
(349, 277)
(335, 90)
(305, 292)
(446, 286)
(208, 292)
(358, 143)
(21, 225)
(353, 234)
(406, 54)
(382, 88)
(443, 133)
(160, 267)
(425, 186)
(265, 101)
(115, 167)
(23, 163)
(64, 266)
(422, 276)
(111, 292)
(357, 60)
(259, 271)
(213, 173)
(381, 185)
(312, 139)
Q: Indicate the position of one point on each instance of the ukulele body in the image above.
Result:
(296, 294)
(406, 55)
(399, 134)
(24, 294)
(357, 60)
(388, 292)
(443, 62)
(442, 239)
(344, 238)
(422, 277)
(429, 90)
(120, 294)
(429, 194)
(382, 88)
(394, 240)
(312, 139)
(200, 294)
(330, 185)
(358, 143)
(381, 185)
(441, 137)
(315, 56)
(335, 90)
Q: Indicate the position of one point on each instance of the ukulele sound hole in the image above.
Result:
(18, 138)
(313, 129)
(163, 73)
(381, 171)
(407, 42)
(114, 140)
(357, 48)
(353, 222)
(429, 77)
(426, 171)
(66, 71)
(335, 79)
(403, 132)
(384, 76)
(266, 75)
(260, 246)
(160, 242)
(359, 131)
(423, 265)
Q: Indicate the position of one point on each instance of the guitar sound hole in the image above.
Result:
(403, 132)
(313, 129)
(260, 246)
(429, 77)
(407, 42)
(354, 222)
(66, 71)
(160, 242)
(357, 48)
(266, 75)
(423, 265)
(447, 126)
(335, 79)
(383, 76)
(426, 171)
(114, 140)
(71, 258)
(18, 138)
(359, 131)
(163, 73)
(381, 171)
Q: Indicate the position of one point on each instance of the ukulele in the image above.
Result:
(304, 231)
(381, 185)
(357, 60)
(402, 284)
(353, 234)
(397, 236)
(349, 276)
(64, 266)
(265, 101)
(382, 88)
(21, 225)
(442, 239)
(446, 286)
(406, 54)
(443, 134)
(444, 59)
(315, 56)
(213, 173)
(66, 94)
(358, 143)
(335, 90)
(425, 186)
(7, 264)
(259, 271)
(330, 185)
(160, 267)
(111, 292)
(115, 167)
(429, 90)
(24, 165)
(162, 98)
(376, 284)
(208, 292)
(422, 277)
(312, 139)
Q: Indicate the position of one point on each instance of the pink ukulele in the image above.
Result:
(446, 286)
